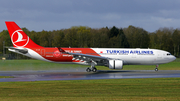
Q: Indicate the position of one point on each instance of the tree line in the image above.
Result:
(81, 36)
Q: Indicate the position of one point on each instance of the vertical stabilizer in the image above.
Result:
(18, 37)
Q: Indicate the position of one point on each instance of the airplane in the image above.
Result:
(114, 58)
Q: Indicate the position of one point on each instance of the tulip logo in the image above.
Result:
(19, 38)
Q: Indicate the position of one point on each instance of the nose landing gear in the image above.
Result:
(156, 69)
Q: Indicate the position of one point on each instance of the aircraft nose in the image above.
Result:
(173, 58)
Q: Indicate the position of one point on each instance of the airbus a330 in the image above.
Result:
(114, 58)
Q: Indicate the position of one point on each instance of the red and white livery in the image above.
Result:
(114, 58)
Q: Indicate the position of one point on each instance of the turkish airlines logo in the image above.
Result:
(19, 39)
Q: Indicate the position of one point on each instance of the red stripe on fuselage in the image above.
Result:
(53, 54)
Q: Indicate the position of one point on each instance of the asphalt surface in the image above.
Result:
(82, 75)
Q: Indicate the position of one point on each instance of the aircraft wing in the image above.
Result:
(84, 57)
(20, 50)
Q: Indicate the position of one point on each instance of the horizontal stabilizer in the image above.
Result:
(22, 50)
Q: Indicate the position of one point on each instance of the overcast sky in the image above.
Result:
(51, 15)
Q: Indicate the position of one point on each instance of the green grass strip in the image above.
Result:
(156, 89)
(6, 77)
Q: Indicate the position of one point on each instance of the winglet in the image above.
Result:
(60, 49)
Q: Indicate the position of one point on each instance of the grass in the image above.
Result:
(17, 65)
(6, 77)
(92, 90)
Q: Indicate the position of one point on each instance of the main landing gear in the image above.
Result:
(93, 69)
(156, 69)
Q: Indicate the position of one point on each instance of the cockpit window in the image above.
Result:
(168, 53)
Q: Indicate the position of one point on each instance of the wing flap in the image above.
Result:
(85, 56)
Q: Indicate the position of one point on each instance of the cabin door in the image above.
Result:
(43, 52)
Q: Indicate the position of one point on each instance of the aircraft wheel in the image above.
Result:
(94, 70)
(156, 69)
(88, 70)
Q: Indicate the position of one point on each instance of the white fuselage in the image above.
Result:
(127, 55)
(137, 56)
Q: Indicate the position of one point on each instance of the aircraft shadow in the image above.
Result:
(111, 71)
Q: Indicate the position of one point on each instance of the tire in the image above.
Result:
(94, 70)
(156, 69)
(88, 70)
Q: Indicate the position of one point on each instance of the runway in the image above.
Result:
(82, 75)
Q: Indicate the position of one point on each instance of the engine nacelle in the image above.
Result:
(115, 64)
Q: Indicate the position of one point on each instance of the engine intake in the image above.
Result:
(115, 64)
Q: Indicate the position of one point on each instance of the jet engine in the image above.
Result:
(115, 64)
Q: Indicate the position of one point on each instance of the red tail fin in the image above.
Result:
(18, 37)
